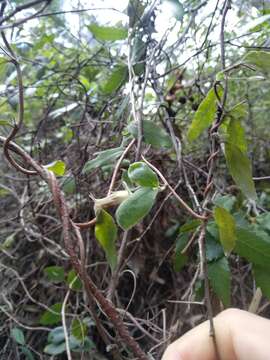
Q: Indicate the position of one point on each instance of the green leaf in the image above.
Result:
(176, 8)
(69, 185)
(18, 336)
(264, 221)
(152, 134)
(27, 353)
(213, 248)
(141, 174)
(138, 56)
(55, 273)
(227, 228)
(261, 59)
(78, 329)
(8, 242)
(58, 167)
(116, 79)
(136, 207)
(180, 259)
(253, 246)
(236, 135)
(138, 49)
(238, 111)
(74, 281)
(106, 234)
(213, 230)
(236, 155)
(56, 335)
(4, 192)
(55, 349)
(108, 33)
(104, 158)
(262, 278)
(56, 342)
(240, 216)
(255, 24)
(4, 123)
(172, 230)
(240, 169)
(79, 346)
(227, 202)
(52, 315)
(126, 180)
(220, 279)
(66, 134)
(190, 225)
(204, 115)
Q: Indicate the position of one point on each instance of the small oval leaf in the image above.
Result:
(52, 315)
(74, 281)
(55, 273)
(58, 167)
(141, 174)
(56, 335)
(18, 336)
(55, 349)
(136, 207)
(78, 329)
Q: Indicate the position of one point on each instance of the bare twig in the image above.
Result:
(63, 314)
(118, 166)
(19, 123)
(261, 178)
(227, 6)
(115, 275)
(32, 328)
(181, 201)
(24, 20)
(204, 275)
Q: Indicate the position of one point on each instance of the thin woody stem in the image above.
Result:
(181, 201)
(118, 166)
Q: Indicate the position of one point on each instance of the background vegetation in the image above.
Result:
(134, 179)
